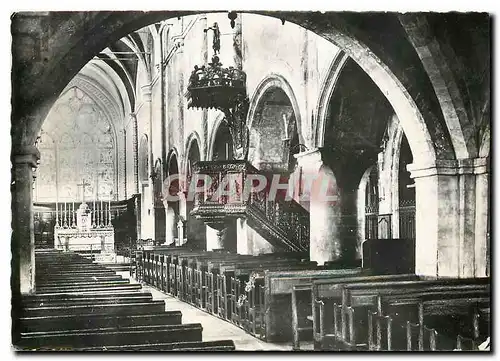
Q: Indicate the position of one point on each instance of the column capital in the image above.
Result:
(26, 155)
(450, 167)
(310, 159)
(146, 92)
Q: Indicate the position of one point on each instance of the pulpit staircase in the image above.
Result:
(284, 223)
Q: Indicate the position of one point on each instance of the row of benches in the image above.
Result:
(216, 281)
(402, 312)
(82, 306)
(280, 297)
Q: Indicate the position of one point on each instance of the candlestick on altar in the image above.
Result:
(57, 216)
(109, 210)
(64, 216)
(73, 214)
(100, 223)
(93, 214)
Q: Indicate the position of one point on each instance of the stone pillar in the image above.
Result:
(242, 241)
(325, 215)
(135, 147)
(215, 238)
(23, 240)
(249, 241)
(482, 232)
(147, 211)
(180, 232)
(125, 162)
(347, 222)
(182, 205)
(170, 225)
(450, 236)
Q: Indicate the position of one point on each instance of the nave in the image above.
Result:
(217, 301)
(309, 180)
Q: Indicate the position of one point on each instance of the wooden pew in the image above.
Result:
(68, 299)
(365, 296)
(81, 283)
(200, 279)
(104, 337)
(85, 321)
(240, 311)
(96, 312)
(77, 277)
(326, 296)
(68, 287)
(224, 345)
(191, 268)
(77, 273)
(277, 301)
(157, 267)
(94, 290)
(226, 270)
(112, 287)
(448, 313)
(116, 308)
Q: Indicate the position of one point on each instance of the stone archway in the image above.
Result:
(146, 190)
(405, 205)
(195, 228)
(159, 208)
(325, 94)
(274, 123)
(144, 159)
(171, 201)
(222, 143)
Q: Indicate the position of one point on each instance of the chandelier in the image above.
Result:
(216, 87)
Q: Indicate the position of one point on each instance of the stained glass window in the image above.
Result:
(77, 143)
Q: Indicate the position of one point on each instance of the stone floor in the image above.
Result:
(215, 328)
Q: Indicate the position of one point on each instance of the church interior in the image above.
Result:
(250, 181)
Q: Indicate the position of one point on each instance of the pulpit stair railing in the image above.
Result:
(230, 194)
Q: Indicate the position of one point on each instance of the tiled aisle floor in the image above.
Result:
(215, 328)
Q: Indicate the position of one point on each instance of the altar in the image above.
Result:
(86, 230)
(93, 240)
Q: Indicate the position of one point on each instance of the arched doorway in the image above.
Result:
(222, 148)
(357, 117)
(406, 191)
(172, 220)
(371, 204)
(159, 208)
(147, 206)
(195, 228)
(272, 121)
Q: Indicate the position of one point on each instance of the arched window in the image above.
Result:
(406, 194)
(371, 205)
(85, 144)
